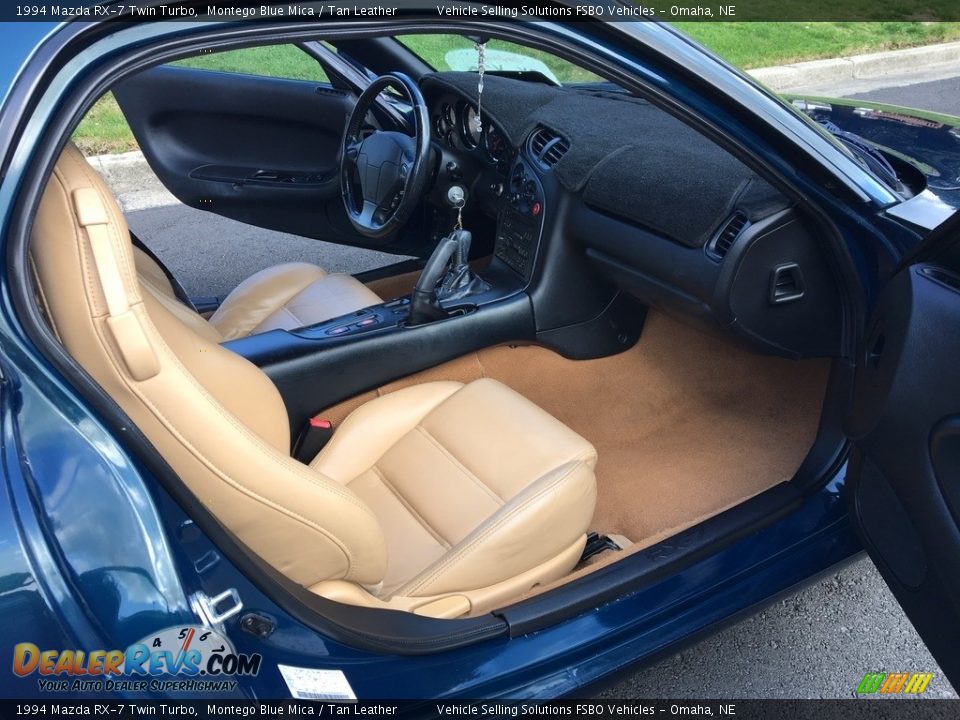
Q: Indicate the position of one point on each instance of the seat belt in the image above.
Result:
(123, 324)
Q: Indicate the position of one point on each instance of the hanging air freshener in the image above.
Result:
(481, 48)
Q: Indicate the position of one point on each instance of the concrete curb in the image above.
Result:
(782, 78)
(132, 181)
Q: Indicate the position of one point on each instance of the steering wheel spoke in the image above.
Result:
(392, 168)
(368, 214)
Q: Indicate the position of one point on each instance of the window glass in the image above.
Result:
(280, 61)
(454, 52)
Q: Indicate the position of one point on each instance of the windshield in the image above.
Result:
(455, 52)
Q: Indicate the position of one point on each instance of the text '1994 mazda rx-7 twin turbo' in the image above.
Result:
(658, 346)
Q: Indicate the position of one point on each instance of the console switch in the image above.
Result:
(516, 238)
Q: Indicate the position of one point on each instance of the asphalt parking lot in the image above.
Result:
(815, 644)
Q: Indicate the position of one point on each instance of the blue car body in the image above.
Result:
(94, 553)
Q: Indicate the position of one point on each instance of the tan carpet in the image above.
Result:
(685, 424)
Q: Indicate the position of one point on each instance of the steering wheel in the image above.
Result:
(389, 168)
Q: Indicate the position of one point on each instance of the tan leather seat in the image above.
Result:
(283, 297)
(443, 499)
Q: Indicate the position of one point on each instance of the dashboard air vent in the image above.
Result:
(728, 234)
(547, 147)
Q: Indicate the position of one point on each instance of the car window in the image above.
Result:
(455, 52)
(279, 61)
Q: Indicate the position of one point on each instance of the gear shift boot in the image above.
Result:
(445, 278)
(460, 281)
(461, 284)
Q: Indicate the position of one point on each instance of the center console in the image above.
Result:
(371, 319)
(519, 226)
(319, 365)
(520, 222)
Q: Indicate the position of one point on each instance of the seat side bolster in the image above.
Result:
(550, 513)
(372, 429)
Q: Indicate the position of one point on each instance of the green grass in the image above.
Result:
(104, 129)
(759, 44)
(283, 61)
(748, 45)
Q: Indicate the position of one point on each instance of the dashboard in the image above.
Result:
(508, 190)
(581, 179)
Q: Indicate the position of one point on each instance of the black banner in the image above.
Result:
(559, 10)
(600, 709)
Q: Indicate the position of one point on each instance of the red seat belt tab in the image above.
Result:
(314, 436)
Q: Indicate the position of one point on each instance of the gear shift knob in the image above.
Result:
(464, 239)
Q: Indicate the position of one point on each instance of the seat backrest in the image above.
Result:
(215, 417)
(150, 273)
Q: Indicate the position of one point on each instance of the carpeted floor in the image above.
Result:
(685, 424)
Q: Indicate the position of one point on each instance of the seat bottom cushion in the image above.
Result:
(472, 484)
(289, 296)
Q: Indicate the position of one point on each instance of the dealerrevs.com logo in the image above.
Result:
(185, 658)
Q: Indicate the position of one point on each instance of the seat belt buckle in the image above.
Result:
(313, 438)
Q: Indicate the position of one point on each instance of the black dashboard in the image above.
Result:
(478, 155)
(592, 180)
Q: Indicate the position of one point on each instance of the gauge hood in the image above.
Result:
(928, 141)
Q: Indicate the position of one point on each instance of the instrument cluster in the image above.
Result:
(455, 124)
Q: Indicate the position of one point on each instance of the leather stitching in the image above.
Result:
(460, 466)
(335, 444)
(96, 182)
(81, 245)
(282, 308)
(442, 541)
(462, 552)
(292, 314)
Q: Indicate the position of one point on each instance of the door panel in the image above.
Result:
(905, 469)
(261, 150)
